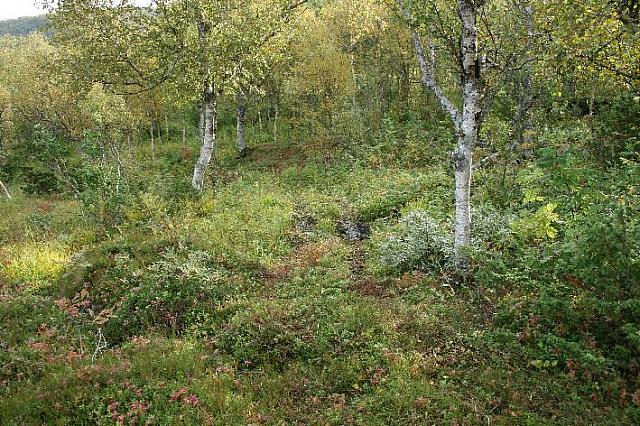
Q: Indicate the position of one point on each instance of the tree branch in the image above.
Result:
(428, 71)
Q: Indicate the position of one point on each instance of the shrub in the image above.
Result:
(490, 227)
(575, 298)
(538, 226)
(418, 242)
(602, 249)
(617, 128)
(170, 294)
(300, 330)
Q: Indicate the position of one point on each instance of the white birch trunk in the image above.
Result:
(153, 143)
(157, 126)
(469, 126)
(5, 190)
(354, 77)
(208, 139)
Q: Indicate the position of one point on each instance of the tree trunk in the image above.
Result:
(462, 159)
(469, 126)
(157, 124)
(207, 109)
(522, 118)
(208, 140)
(166, 126)
(241, 123)
(153, 143)
(275, 125)
(5, 190)
(354, 76)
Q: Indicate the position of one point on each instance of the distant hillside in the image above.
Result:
(22, 26)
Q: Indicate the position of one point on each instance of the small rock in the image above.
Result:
(352, 230)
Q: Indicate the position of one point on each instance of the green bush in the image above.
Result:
(169, 295)
(310, 330)
(417, 242)
(44, 163)
(616, 130)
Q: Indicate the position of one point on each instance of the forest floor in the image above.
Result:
(247, 306)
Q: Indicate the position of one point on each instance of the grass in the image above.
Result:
(243, 306)
(32, 265)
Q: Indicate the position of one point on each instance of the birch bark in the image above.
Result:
(208, 113)
(208, 139)
(153, 142)
(5, 190)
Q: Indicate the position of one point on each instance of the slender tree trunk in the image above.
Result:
(522, 118)
(208, 140)
(5, 190)
(260, 119)
(241, 123)
(153, 143)
(354, 76)
(166, 126)
(207, 109)
(472, 89)
(116, 154)
(275, 125)
(405, 91)
(157, 125)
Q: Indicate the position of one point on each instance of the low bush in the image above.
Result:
(275, 334)
(417, 243)
(170, 294)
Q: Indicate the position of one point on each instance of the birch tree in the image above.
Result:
(241, 119)
(466, 120)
